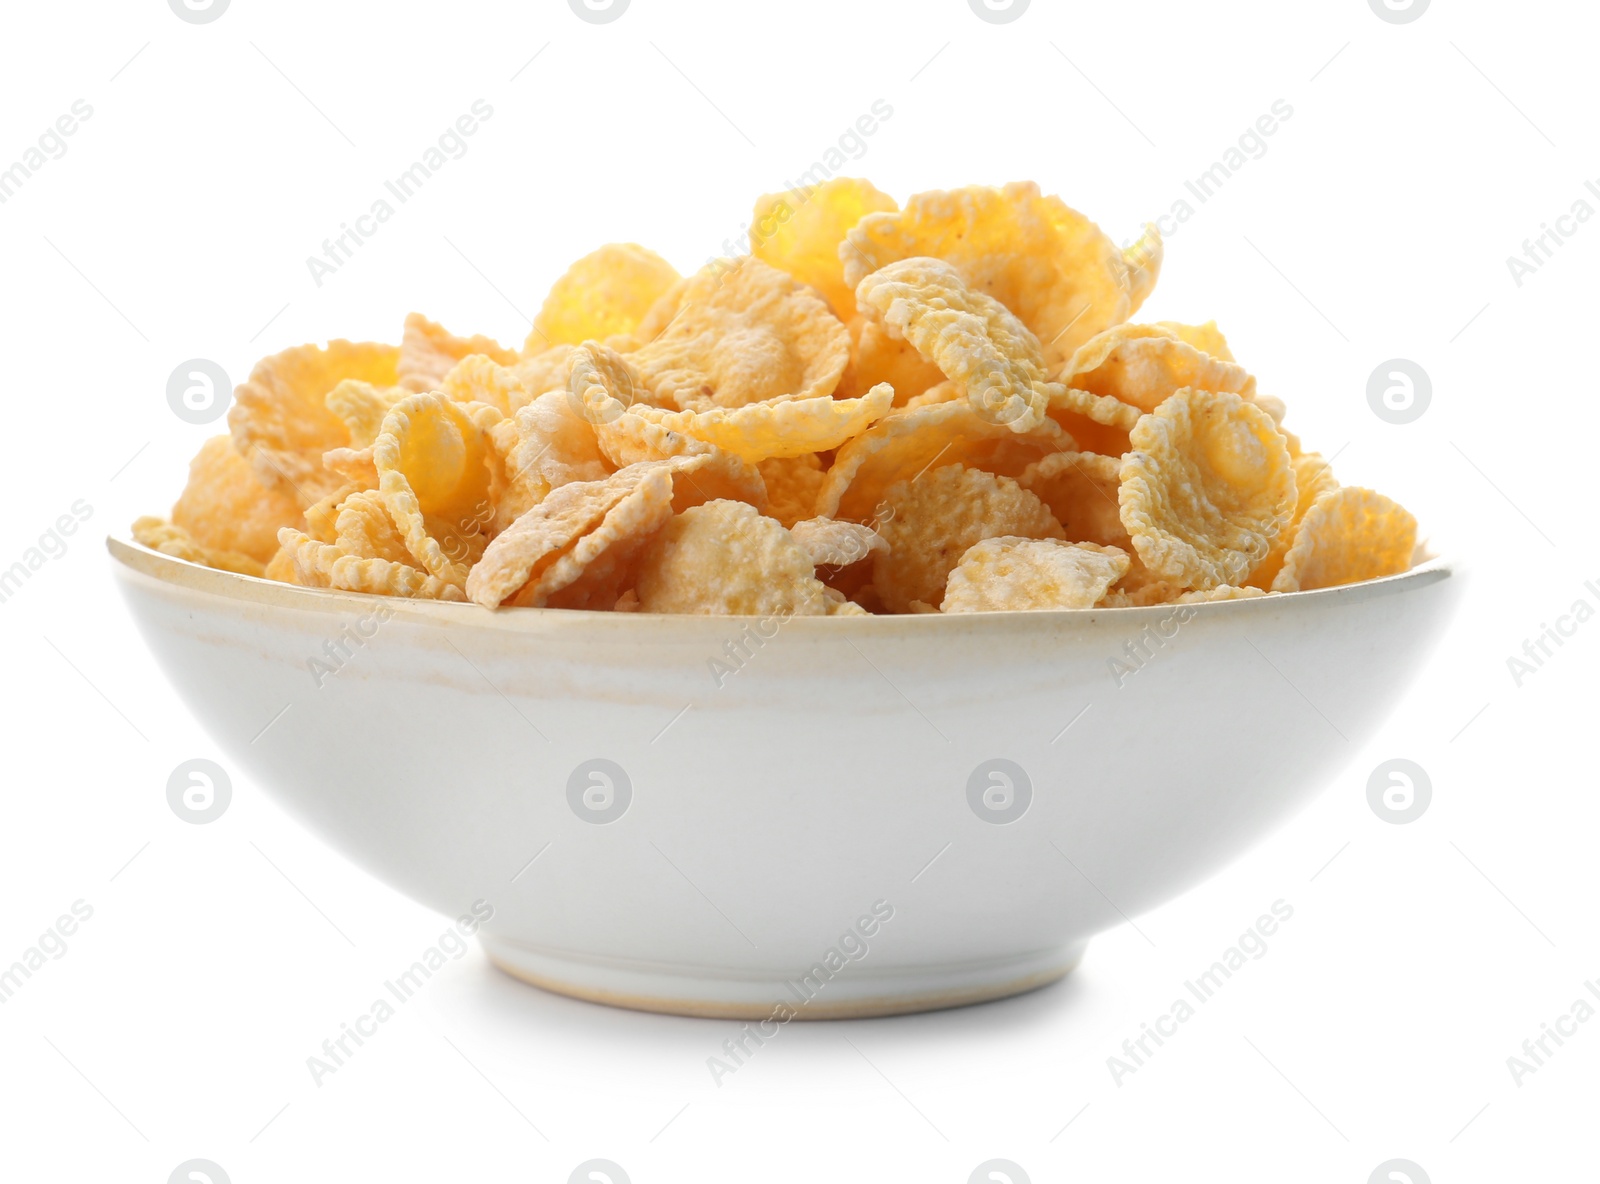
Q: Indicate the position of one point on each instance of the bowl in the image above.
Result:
(769, 819)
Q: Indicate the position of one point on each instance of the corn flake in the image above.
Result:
(428, 352)
(225, 508)
(799, 231)
(608, 291)
(1007, 573)
(1348, 535)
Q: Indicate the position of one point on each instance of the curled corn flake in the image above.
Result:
(725, 559)
(932, 521)
(1098, 422)
(543, 446)
(1008, 573)
(1143, 365)
(543, 371)
(1313, 477)
(742, 333)
(434, 462)
(429, 351)
(792, 483)
(1043, 260)
(1206, 338)
(1206, 489)
(225, 508)
(362, 407)
(876, 355)
(1081, 490)
(329, 565)
(1143, 261)
(1348, 534)
(607, 291)
(799, 231)
(280, 420)
(832, 543)
(482, 379)
(161, 535)
(602, 384)
(972, 338)
(789, 427)
(363, 528)
(911, 440)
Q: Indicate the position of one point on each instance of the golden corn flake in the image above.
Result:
(161, 535)
(1206, 489)
(792, 483)
(1313, 477)
(481, 379)
(876, 355)
(1081, 490)
(912, 440)
(1040, 258)
(1007, 574)
(1099, 423)
(428, 352)
(1206, 338)
(607, 291)
(329, 565)
(934, 518)
(1348, 535)
(280, 420)
(742, 333)
(1143, 261)
(1220, 592)
(434, 462)
(545, 445)
(362, 407)
(725, 559)
(799, 231)
(973, 339)
(1143, 365)
(788, 427)
(832, 543)
(225, 508)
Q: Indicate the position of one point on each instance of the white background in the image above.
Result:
(1376, 225)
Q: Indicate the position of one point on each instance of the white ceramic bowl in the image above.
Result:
(761, 808)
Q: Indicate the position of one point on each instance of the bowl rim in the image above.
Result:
(130, 556)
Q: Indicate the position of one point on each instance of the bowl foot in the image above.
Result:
(855, 992)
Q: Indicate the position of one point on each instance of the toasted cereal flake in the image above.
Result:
(161, 535)
(435, 468)
(799, 231)
(972, 338)
(1206, 489)
(1143, 261)
(1313, 477)
(543, 446)
(911, 440)
(788, 427)
(545, 556)
(225, 508)
(1206, 338)
(1348, 535)
(832, 543)
(1081, 490)
(1220, 592)
(933, 519)
(744, 333)
(481, 379)
(363, 528)
(362, 407)
(1044, 261)
(876, 355)
(280, 421)
(429, 351)
(725, 559)
(792, 483)
(607, 291)
(1143, 365)
(329, 565)
(1007, 573)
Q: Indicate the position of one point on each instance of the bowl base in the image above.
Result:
(855, 992)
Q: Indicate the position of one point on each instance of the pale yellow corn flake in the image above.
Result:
(280, 420)
(911, 440)
(934, 518)
(972, 338)
(329, 565)
(788, 427)
(1007, 573)
(1313, 477)
(1220, 592)
(478, 378)
(725, 559)
(743, 332)
(543, 371)
(1081, 490)
(1206, 338)
(160, 535)
(281, 566)
(602, 384)
(363, 528)
(225, 507)
(607, 292)
(1349, 534)
(876, 355)
(1047, 263)
(362, 407)
(429, 351)
(832, 543)
(1143, 260)
(792, 483)
(543, 446)
(1143, 365)
(799, 231)
(435, 461)
(1206, 489)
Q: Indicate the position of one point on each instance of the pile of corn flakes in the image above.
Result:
(941, 407)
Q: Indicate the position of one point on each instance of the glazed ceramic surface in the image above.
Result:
(837, 816)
